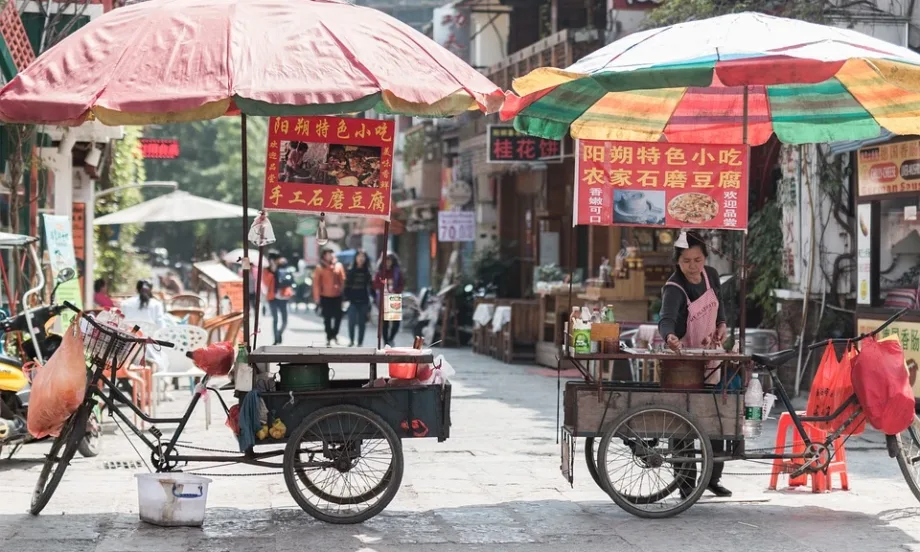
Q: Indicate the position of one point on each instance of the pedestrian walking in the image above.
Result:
(278, 287)
(359, 290)
(388, 271)
(328, 286)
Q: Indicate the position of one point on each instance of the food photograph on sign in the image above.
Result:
(660, 184)
(329, 165)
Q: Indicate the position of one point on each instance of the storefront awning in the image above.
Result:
(853, 145)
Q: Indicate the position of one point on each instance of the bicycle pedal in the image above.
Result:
(156, 432)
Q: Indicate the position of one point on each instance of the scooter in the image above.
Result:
(15, 388)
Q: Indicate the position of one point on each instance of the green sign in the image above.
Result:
(59, 242)
(308, 226)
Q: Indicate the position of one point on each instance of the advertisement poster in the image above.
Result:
(392, 307)
(661, 185)
(889, 168)
(864, 254)
(329, 165)
(456, 217)
(909, 334)
(59, 244)
(506, 145)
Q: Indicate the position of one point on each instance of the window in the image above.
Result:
(899, 245)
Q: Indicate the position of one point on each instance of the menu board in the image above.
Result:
(661, 185)
(889, 168)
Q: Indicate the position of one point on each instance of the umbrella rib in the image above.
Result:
(649, 37)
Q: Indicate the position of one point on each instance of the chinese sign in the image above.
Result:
(889, 168)
(864, 254)
(661, 185)
(329, 165)
(507, 145)
(456, 217)
(909, 335)
(59, 244)
(153, 148)
(78, 229)
(456, 226)
(451, 29)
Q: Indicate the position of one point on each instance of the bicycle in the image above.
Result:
(666, 434)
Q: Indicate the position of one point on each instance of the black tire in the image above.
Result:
(909, 456)
(66, 444)
(311, 425)
(591, 461)
(620, 427)
(91, 443)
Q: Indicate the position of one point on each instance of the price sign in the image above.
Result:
(456, 226)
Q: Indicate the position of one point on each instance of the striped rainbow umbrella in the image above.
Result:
(807, 83)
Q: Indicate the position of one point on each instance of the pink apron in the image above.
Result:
(702, 315)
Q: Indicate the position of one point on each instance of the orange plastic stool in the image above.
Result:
(820, 482)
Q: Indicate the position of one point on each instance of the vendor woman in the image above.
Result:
(692, 316)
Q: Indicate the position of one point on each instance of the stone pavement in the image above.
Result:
(495, 485)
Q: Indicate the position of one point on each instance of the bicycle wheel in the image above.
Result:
(591, 460)
(351, 444)
(91, 443)
(909, 456)
(650, 452)
(69, 440)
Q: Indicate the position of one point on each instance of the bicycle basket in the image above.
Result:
(107, 346)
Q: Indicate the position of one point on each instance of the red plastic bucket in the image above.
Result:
(403, 370)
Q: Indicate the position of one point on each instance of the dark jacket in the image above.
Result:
(359, 285)
(673, 314)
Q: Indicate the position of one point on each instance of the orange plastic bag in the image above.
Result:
(59, 386)
(832, 386)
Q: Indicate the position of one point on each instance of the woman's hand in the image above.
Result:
(720, 333)
(673, 342)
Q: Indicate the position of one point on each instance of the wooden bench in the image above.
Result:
(519, 337)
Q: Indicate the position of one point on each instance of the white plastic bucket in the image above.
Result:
(172, 499)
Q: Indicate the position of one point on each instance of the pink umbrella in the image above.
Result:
(183, 60)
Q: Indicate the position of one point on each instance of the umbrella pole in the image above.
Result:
(383, 290)
(246, 272)
(742, 322)
(255, 330)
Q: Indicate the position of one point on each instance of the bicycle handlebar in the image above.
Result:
(862, 336)
(116, 332)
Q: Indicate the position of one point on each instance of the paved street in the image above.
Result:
(495, 485)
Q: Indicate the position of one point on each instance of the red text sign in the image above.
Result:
(154, 148)
(661, 185)
(329, 165)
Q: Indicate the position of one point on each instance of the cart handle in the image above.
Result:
(862, 336)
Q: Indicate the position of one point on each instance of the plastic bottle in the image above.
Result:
(610, 316)
(242, 378)
(753, 409)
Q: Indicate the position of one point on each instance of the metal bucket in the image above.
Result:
(682, 374)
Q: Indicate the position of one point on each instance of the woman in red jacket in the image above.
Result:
(390, 272)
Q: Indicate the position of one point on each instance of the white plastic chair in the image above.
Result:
(184, 338)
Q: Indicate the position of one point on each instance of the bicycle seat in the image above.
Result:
(774, 360)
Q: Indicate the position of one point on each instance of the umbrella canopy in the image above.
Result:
(235, 255)
(177, 206)
(807, 83)
(182, 60)
(8, 241)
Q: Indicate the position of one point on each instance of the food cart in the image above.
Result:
(218, 281)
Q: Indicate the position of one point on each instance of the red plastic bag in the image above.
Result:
(59, 386)
(832, 386)
(882, 384)
(215, 359)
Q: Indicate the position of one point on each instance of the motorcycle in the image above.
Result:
(430, 309)
(38, 345)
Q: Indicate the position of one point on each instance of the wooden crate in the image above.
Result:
(720, 417)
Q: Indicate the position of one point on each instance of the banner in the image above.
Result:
(329, 165)
(661, 185)
(864, 254)
(506, 145)
(59, 244)
(889, 168)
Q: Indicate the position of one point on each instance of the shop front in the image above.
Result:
(887, 233)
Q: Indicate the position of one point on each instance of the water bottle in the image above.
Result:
(753, 409)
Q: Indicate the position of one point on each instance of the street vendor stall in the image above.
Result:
(664, 119)
(275, 63)
(218, 282)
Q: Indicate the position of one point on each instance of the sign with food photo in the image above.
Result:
(324, 164)
(658, 184)
(889, 168)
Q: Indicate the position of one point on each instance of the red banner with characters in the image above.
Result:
(659, 184)
(329, 165)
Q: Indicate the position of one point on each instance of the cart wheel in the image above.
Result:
(59, 457)
(909, 456)
(591, 460)
(649, 453)
(343, 464)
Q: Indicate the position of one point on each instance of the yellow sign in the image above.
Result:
(889, 168)
(909, 334)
